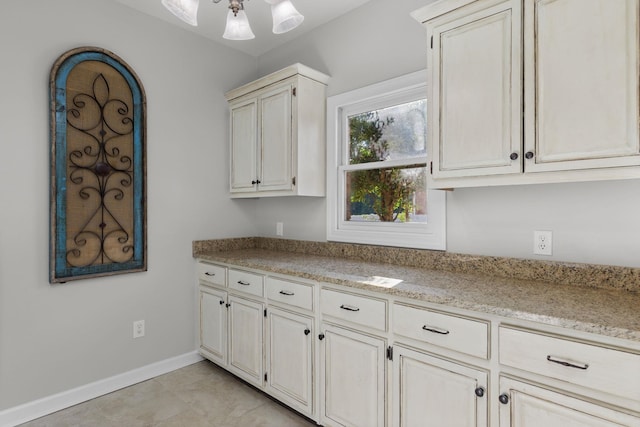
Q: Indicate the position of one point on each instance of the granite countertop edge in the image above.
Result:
(607, 312)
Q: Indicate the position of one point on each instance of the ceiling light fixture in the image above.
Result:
(284, 14)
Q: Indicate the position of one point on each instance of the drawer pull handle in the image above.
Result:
(243, 283)
(206, 273)
(287, 293)
(349, 307)
(435, 330)
(582, 366)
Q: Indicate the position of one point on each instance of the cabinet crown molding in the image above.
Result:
(285, 73)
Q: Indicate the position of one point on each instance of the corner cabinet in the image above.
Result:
(532, 91)
(277, 130)
(261, 328)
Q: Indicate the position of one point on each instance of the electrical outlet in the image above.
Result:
(138, 328)
(542, 242)
(279, 229)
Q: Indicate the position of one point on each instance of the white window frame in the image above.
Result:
(430, 235)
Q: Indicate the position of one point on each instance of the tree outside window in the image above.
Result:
(388, 146)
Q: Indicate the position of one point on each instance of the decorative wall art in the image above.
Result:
(98, 167)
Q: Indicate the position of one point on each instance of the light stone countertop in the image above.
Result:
(608, 312)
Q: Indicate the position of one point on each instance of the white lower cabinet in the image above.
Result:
(447, 367)
(353, 389)
(213, 324)
(290, 358)
(246, 339)
(526, 405)
(428, 390)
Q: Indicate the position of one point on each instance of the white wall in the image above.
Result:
(592, 222)
(57, 337)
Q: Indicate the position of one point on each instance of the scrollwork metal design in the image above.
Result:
(102, 174)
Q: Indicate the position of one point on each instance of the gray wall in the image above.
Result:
(57, 337)
(592, 222)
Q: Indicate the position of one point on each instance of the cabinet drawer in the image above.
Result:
(599, 368)
(284, 291)
(244, 281)
(354, 308)
(212, 273)
(452, 332)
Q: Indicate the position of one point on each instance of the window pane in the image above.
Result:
(386, 195)
(391, 133)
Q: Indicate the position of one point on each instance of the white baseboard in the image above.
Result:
(47, 405)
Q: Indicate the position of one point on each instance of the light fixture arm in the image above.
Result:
(234, 5)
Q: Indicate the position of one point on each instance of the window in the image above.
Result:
(377, 160)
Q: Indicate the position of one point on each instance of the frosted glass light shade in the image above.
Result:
(285, 16)
(186, 10)
(238, 27)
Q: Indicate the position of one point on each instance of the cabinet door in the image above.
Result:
(531, 406)
(475, 110)
(444, 393)
(213, 325)
(353, 392)
(581, 71)
(246, 339)
(244, 146)
(275, 139)
(290, 359)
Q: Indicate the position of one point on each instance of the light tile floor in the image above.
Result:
(199, 395)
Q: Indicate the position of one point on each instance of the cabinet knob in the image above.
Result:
(479, 391)
(307, 331)
(529, 155)
(321, 337)
(514, 156)
(503, 398)
(221, 302)
(228, 305)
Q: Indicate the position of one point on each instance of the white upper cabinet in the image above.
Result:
(475, 91)
(278, 135)
(532, 91)
(275, 136)
(244, 157)
(581, 80)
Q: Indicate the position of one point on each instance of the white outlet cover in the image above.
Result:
(138, 328)
(543, 242)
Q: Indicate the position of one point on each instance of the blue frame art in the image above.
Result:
(98, 167)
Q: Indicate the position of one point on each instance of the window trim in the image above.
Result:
(431, 235)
